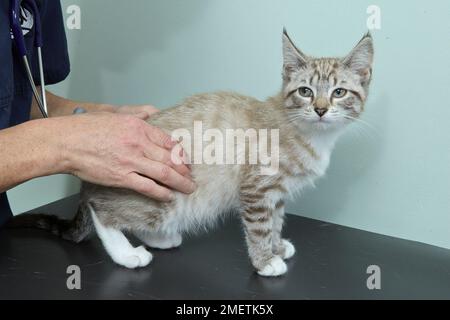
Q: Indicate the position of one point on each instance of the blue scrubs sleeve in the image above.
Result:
(55, 55)
(6, 65)
(15, 91)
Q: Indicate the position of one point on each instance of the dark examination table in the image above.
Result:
(331, 263)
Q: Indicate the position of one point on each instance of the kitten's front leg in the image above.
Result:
(282, 247)
(257, 216)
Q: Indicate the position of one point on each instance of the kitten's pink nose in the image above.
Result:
(321, 111)
(321, 106)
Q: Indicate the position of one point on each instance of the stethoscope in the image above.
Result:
(21, 47)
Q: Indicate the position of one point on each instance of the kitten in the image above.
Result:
(319, 98)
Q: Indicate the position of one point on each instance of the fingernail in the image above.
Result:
(173, 142)
(179, 140)
(193, 187)
(181, 153)
(185, 158)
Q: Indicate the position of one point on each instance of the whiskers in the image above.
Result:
(364, 128)
(360, 121)
(305, 114)
(295, 117)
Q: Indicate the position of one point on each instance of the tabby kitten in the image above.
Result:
(319, 98)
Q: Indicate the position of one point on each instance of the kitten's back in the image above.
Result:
(220, 110)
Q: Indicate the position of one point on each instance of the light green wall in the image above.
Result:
(392, 178)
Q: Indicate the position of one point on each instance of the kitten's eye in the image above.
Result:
(339, 93)
(305, 92)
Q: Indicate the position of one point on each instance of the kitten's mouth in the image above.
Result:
(322, 120)
(322, 123)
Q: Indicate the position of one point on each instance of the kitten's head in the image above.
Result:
(326, 93)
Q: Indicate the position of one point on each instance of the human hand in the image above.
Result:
(120, 150)
(134, 110)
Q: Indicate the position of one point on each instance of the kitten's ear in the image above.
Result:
(293, 58)
(360, 59)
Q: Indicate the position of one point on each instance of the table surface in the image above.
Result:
(331, 263)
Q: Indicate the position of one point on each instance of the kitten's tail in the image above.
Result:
(75, 230)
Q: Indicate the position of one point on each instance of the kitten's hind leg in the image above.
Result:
(118, 246)
(159, 240)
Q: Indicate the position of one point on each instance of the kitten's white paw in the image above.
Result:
(275, 267)
(129, 262)
(289, 249)
(138, 257)
(145, 257)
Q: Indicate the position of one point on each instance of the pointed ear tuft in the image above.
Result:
(360, 59)
(293, 58)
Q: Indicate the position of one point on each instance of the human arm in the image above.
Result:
(59, 106)
(104, 148)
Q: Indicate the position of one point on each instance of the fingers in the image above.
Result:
(163, 140)
(159, 137)
(166, 175)
(148, 109)
(148, 188)
(166, 157)
(178, 159)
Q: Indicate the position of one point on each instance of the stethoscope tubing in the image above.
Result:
(19, 40)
